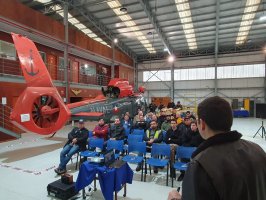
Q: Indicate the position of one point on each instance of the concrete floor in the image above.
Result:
(27, 166)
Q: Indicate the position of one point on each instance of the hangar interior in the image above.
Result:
(178, 50)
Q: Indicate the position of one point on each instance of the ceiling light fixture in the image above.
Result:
(184, 12)
(115, 40)
(247, 20)
(75, 22)
(171, 58)
(123, 9)
(263, 18)
(128, 21)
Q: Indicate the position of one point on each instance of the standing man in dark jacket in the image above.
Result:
(117, 131)
(77, 140)
(224, 167)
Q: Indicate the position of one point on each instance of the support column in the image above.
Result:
(216, 46)
(66, 74)
(172, 88)
(136, 77)
(265, 78)
(113, 61)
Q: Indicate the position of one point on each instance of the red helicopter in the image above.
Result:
(40, 108)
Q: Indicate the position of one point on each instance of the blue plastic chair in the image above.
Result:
(78, 153)
(182, 152)
(90, 134)
(164, 135)
(127, 131)
(132, 139)
(139, 148)
(116, 145)
(159, 150)
(138, 132)
(93, 143)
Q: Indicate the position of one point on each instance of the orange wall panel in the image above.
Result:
(22, 14)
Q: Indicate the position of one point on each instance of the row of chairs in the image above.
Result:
(160, 153)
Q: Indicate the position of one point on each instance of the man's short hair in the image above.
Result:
(194, 122)
(153, 121)
(217, 113)
(173, 120)
(186, 118)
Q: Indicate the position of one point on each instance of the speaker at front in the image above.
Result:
(261, 110)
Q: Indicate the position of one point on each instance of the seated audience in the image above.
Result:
(154, 118)
(152, 107)
(101, 130)
(117, 131)
(184, 128)
(126, 122)
(190, 115)
(171, 105)
(136, 118)
(148, 117)
(161, 106)
(192, 138)
(128, 114)
(165, 125)
(153, 135)
(178, 106)
(157, 110)
(174, 138)
(141, 124)
(77, 140)
(179, 119)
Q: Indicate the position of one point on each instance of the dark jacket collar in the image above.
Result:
(221, 138)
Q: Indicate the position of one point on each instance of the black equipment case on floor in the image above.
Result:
(61, 190)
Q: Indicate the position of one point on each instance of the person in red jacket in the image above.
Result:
(101, 130)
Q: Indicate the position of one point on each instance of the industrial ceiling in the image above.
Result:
(154, 29)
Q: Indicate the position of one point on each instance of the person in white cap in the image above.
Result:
(77, 140)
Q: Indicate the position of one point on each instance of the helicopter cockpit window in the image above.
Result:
(112, 92)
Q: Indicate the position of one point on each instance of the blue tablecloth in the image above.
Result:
(241, 113)
(111, 179)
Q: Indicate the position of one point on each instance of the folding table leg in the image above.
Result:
(77, 162)
(95, 184)
(145, 169)
(83, 194)
(167, 175)
(125, 190)
(141, 171)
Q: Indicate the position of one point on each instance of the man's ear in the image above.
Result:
(203, 125)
